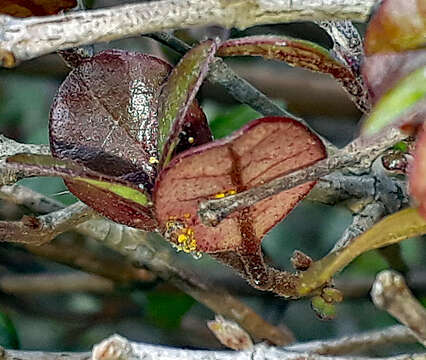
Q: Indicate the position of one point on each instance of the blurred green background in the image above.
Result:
(158, 313)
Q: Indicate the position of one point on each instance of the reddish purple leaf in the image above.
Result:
(105, 113)
(116, 199)
(382, 71)
(397, 25)
(178, 94)
(105, 116)
(261, 151)
(418, 171)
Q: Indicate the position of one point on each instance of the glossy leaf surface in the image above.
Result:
(27, 8)
(178, 94)
(259, 152)
(397, 26)
(105, 116)
(116, 199)
(407, 93)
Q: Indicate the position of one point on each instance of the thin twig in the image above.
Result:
(361, 222)
(81, 258)
(24, 39)
(156, 255)
(54, 283)
(360, 153)
(119, 348)
(357, 343)
(391, 293)
(9, 147)
(41, 229)
(348, 48)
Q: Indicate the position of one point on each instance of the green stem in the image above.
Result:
(402, 225)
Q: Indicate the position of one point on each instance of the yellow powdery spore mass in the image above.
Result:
(225, 194)
(181, 236)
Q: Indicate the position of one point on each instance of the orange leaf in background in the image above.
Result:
(383, 71)
(27, 8)
(397, 25)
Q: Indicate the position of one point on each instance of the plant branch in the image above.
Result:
(119, 348)
(44, 228)
(361, 222)
(348, 48)
(9, 147)
(336, 187)
(390, 230)
(391, 293)
(357, 343)
(81, 258)
(72, 57)
(360, 154)
(157, 256)
(54, 283)
(153, 252)
(23, 196)
(24, 39)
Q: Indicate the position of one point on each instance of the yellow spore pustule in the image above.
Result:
(181, 236)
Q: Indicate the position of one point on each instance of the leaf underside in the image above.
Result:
(259, 152)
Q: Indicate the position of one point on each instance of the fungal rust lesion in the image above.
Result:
(181, 235)
(225, 194)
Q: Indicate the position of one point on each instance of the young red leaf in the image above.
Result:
(294, 52)
(116, 199)
(178, 94)
(396, 26)
(383, 71)
(259, 152)
(418, 171)
(26, 8)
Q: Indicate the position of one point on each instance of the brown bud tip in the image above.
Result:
(7, 59)
(300, 261)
